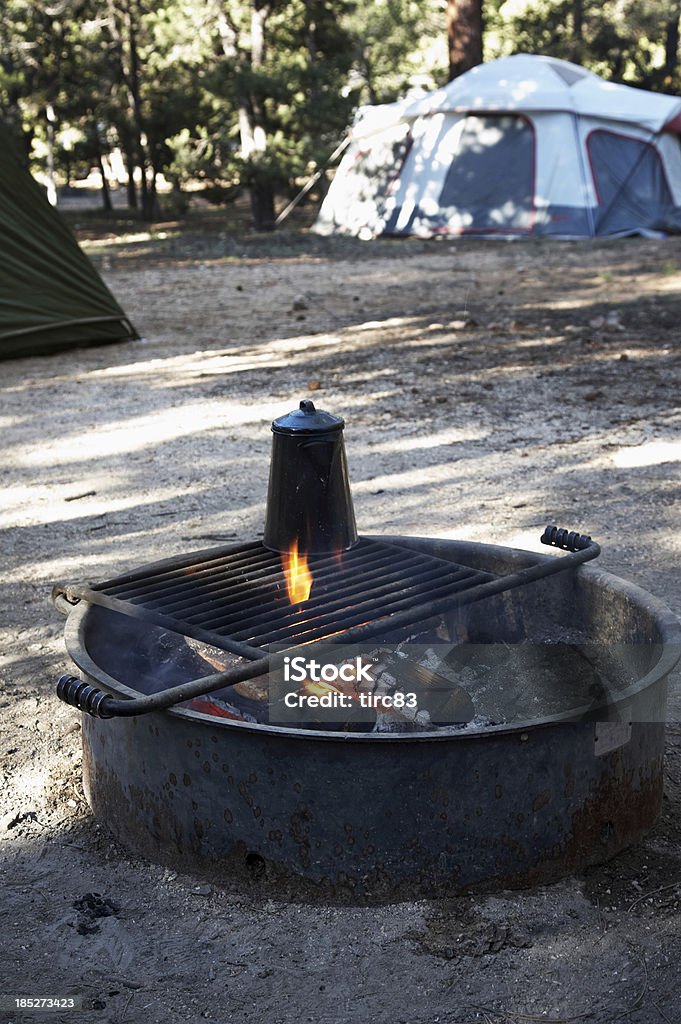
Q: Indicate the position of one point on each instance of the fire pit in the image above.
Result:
(498, 719)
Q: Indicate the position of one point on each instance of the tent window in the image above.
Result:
(490, 182)
(630, 182)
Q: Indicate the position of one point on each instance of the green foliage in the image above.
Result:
(623, 40)
(398, 45)
(256, 93)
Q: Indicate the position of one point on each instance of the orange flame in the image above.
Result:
(297, 573)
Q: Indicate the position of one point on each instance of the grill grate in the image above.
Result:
(236, 599)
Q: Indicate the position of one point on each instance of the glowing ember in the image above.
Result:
(298, 575)
(319, 688)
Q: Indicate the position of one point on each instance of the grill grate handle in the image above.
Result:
(568, 540)
(100, 704)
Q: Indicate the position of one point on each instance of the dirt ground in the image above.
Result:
(488, 388)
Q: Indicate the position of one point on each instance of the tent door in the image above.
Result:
(489, 186)
(631, 185)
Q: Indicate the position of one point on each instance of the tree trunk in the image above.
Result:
(231, 48)
(107, 205)
(262, 204)
(262, 189)
(252, 131)
(260, 12)
(129, 161)
(125, 41)
(464, 34)
(152, 195)
(310, 34)
(51, 119)
(671, 48)
(131, 187)
(136, 104)
(577, 46)
(577, 20)
(367, 72)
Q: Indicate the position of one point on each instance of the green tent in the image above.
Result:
(51, 297)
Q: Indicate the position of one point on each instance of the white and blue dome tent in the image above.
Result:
(523, 146)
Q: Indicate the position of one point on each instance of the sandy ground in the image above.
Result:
(488, 388)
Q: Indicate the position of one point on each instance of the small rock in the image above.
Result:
(202, 890)
(592, 396)
(300, 302)
(314, 385)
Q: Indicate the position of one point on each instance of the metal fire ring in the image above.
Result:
(397, 814)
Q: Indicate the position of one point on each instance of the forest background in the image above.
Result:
(229, 96)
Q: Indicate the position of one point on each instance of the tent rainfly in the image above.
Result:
(523, 146)
(51, 296)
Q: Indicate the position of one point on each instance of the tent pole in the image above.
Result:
(79, 322)
(312, 181)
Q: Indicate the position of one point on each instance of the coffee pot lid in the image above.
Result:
(307, 420)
